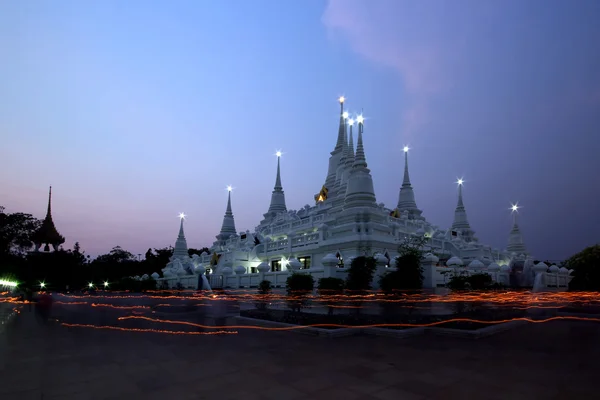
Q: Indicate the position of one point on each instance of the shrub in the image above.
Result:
(480, 281)
(330, 287)
(264, 290)
(586, 266)
(265, 287)
(298, 286)
(407, 276)
(458, 282)
(360, 274)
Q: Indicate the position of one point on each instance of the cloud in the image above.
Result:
(479, 47)
(413, 38)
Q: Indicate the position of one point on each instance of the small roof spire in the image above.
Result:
(461, 223)
(181, 248)
(228, 226)
(277, 204)
(515, 238)
(406, 198)
(278, 177)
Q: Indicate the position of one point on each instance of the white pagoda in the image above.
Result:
(344, 220)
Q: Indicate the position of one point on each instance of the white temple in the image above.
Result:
(345, 220)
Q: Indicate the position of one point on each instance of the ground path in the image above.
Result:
(535, 361)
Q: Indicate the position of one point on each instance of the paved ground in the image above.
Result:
(549, 361)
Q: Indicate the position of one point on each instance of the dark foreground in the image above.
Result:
(555, 360)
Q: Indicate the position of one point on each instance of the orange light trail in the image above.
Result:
(431, 324)
(118, 328)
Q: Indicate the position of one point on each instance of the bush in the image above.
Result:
(330, 287)
(407, 276)
(458, 282)
(360, 274)
(298, 286)
(480, 281)
(586, 266)
(265, 287)
(264, 290)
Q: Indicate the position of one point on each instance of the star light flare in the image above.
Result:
(515, 207)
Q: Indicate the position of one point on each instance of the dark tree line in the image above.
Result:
(72, 267)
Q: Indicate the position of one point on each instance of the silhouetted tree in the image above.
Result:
(16, 230)
(586, 266)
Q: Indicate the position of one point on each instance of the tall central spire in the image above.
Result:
(515, 239)
(181, 248)
(461, 223)
(349, 155)
(277, 196)
(360, 192)
(406, 198)
(228, 227)
(336, 154)
(339, 146)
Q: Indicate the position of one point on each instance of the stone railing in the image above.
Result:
(543, 278)
(546, 278)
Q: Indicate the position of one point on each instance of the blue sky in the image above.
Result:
(134, 111)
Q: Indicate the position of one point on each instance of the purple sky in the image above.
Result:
(135, 111)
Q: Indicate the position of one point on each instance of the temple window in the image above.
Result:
(276, 266)
(305, 261)
(253, 270)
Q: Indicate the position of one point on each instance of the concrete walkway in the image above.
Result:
(543, 361)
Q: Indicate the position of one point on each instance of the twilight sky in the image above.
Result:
(134, 111)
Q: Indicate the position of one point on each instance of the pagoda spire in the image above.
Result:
(461, 223)
(228, 226)
(277, 204)
(47, 233)
(350, 153)
(515, 238)
(339, 145)
(335, 155)
(359, 191)
(406, 198)
(181, 248)
(339, 175)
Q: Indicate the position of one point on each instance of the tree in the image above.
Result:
(116, 264)
(409, 273)
(360, 274)
(16, 230)
(298, 286)
(586, 266)
(264, 291)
